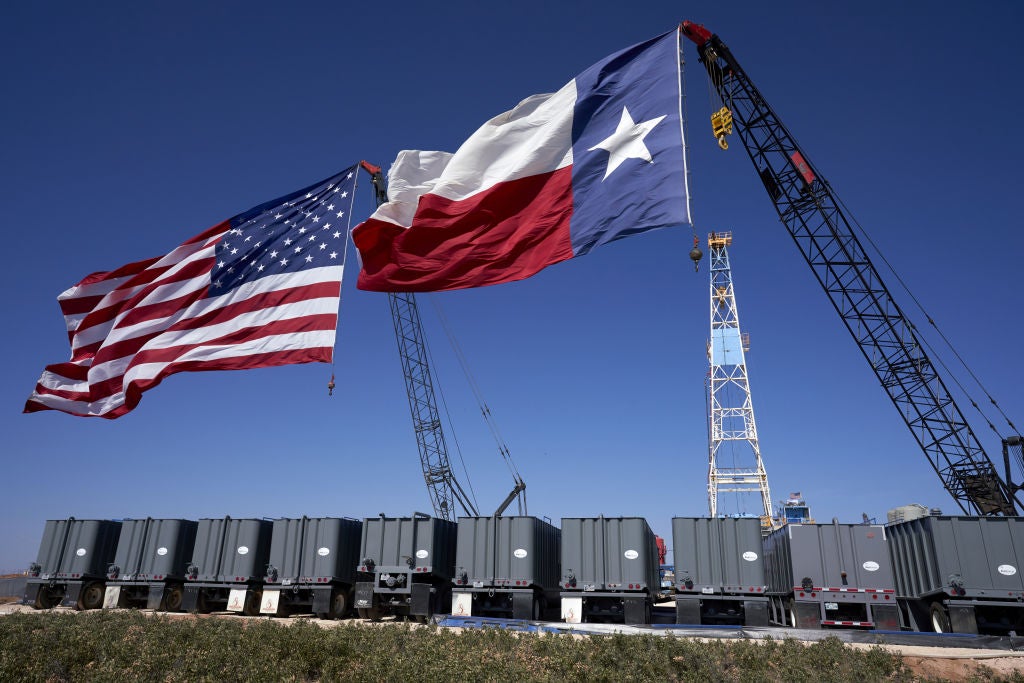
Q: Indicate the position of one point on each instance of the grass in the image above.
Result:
(130, 646)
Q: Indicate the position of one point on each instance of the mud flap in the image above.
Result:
(155, 596)
(462, 604)
(522, 605)
(322, 600)
(420, 603)
(190, 599)
(687, 610)
(364, 595)
(886, 617)
(71, 592)
(236, 599)
(808, 614)
(755, 612)
(634, 610)
(112, 597)
(962, 619)
(270, 601)
(572, 610)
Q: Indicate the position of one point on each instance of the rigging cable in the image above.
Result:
(481, 404)
(938, 331)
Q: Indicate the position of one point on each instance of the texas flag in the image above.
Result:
(551, 179)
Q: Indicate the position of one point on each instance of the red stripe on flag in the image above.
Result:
(449, 245)
(113, 385)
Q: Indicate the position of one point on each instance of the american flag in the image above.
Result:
(258, 290)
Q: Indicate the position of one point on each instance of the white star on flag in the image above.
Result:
(627, 142)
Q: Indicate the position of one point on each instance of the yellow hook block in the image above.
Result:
(721, 125)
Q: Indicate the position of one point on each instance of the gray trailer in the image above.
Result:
(70, 569)
(149, 567)
(406, 568)
(312, 566)
(830, 575)
(228, 563)
(960, 574)
(719, 571)
(610, 570)
(506, 567)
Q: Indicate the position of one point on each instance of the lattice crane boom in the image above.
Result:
(810, 211)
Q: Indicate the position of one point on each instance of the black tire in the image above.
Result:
(91, 596)
(791, 614)
(940, 618)
(47, 598)
(172, 599)
(340, 604)
(202, 604)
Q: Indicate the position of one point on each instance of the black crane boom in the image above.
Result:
(807, 206)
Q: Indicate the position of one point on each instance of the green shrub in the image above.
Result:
(130, 646)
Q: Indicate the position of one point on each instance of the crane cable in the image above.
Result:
(945, 340)
(451, 426)
(485, 410)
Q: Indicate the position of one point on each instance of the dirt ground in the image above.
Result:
(949, 664)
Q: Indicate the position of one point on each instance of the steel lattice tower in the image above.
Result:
(731, 412)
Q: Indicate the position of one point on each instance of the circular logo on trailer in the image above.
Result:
(323, 552)
(871, 566)
(749, 556)
(422, 554)
(80, 552)
(520, 553)
(631, 554)
(243, 550)
(161, 551)
(1006, 569)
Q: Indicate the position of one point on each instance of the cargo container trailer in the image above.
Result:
(610, 570)
(719, 571)
(70, 569)
(506, 567)
(830, 575)
(229, 561)
(406, 568)
(312, 566)
(959, 574)
(149, 566)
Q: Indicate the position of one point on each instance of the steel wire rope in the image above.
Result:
(341, 284)
(451, 426)
(481, 404)
(938, 331)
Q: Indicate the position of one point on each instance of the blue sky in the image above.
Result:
(130, 127)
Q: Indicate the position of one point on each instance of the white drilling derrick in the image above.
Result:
(739, 468)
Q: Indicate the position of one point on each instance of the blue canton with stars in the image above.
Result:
(305, 229)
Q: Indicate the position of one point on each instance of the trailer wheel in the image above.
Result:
(940, 618)
(47, 598)
(791, 611)
(91, 596)
(172, 599)
(339, 604)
